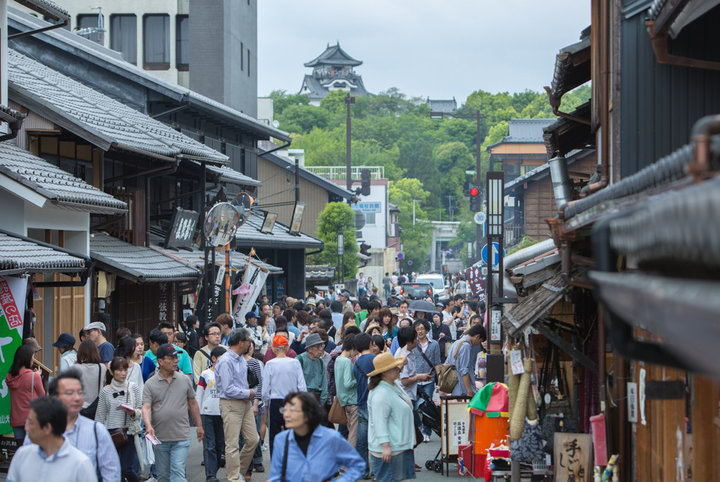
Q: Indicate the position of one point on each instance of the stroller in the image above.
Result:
(430, 417)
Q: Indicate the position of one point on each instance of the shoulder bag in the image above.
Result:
(91, 409)
(120, 435)
(447, 373)
(337, 413)
(285, 457)
(427, 360)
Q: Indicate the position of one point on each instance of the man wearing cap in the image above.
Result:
(258, 334)
(313, 367)
(283, 375)
(95, 331)
(66, 346)
(231, 381)
(167, 398)
(344, 297)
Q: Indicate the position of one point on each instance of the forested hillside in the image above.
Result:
(425, 159)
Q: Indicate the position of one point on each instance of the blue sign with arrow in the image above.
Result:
(495, 257)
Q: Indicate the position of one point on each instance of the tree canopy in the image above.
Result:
(337, 218)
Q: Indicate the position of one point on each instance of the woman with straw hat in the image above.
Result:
(391, 432)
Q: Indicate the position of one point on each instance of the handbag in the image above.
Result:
(91, 409)
(337, 413)
(120, 435)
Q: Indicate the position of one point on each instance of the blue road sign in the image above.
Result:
(495, 257)
(409, 262)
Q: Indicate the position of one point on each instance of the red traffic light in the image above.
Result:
(474, 191)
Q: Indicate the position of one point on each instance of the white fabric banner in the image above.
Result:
(252, 284)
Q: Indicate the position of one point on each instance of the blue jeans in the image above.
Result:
(213, 443)
(362, 437)
(400, 467)
(429, 389)
(170, 460)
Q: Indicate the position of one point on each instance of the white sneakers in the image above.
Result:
(426, 438)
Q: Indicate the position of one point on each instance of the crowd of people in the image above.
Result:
(336, 376)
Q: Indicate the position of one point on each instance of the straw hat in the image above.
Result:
(384, 362)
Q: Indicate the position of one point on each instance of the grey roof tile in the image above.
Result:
(228, 174)
(58, 186)
(18, 255)
(138, 263)
(47, 8)
(94, 116)
(249, 235)
(526, 130)
(196, 257)
(333, 55)
(320, 271)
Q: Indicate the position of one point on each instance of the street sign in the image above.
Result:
(399, 256)
(495, 257)
(479, 217)
(409, 262)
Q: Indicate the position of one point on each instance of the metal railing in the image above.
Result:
(513, 234)
(339, 172)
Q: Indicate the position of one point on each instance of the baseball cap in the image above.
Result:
(96, 325)
(345, 293)
(65, 340)
(279, 340)
(166, 350)
(250, 314)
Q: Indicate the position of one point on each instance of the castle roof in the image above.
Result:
(334, 56)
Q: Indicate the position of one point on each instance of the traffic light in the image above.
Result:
(475, 199)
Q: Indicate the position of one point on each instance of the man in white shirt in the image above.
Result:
(409, 378)
(50, 456)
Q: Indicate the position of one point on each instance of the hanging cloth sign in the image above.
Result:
(12, 310)
(251, 286)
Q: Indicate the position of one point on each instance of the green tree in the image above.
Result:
(416, 236)
(337, 218)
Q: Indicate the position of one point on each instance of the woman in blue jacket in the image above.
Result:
(307, 451)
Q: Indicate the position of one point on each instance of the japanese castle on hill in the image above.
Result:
(332, 70)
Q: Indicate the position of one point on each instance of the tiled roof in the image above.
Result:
(334, 55)
(249, 235)
(94, 116)
(286, 163)
(526, 130)
(58, 186)
(47, 8)
(196, 257)
(138, 263)
(18, 256)
(323, 271)
(446, 106)
(230, 175)
(113, 62)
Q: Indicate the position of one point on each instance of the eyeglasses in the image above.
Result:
(284, 410)
(214, 333)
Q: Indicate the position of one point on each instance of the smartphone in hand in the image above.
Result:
(153, 439)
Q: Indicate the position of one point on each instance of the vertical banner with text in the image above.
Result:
(252, 284)
(12, 310)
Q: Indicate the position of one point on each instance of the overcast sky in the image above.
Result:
(435, 48)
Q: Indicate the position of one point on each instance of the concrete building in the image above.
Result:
(217, 37)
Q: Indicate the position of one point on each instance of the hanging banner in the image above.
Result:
(252, 284)
(475, 281)
(12, 310)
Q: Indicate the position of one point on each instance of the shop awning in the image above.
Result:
(41, 183)
(138, 263)
(239, 261)
(530, 309)
(22, 255)
(96, 117)
(249, 236)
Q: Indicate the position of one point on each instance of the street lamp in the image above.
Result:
(349, 100)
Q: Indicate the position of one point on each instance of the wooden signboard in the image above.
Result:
(456, 428)
(573, 457)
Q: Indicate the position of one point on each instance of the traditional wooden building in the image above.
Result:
(332, 70)
(522, 150)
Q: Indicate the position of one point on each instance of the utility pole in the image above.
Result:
(297, 180)
(349, 100)
(451, 207)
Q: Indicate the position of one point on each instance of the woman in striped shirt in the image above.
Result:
(119, 392)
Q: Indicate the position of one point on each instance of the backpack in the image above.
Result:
(447, 373)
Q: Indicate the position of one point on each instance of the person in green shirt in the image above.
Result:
(391, 430)
(346, 385)
(313, 367)
(184, 362)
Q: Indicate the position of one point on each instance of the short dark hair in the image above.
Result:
(218, 351)
(403, 302)
(362, 342)
(477, 330)
(116, 363)
(70, 373)
(165, 325)
(336, 306)
(311, 408)
(406, 335)
(364, 303)
(352, 330)
(423, 323)
(241, 334)
(181, 337)
(157, 336)
(190, 320)
(214, 324)
(51, 411)
(348, 342)
(378, 341)
(122, 332)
